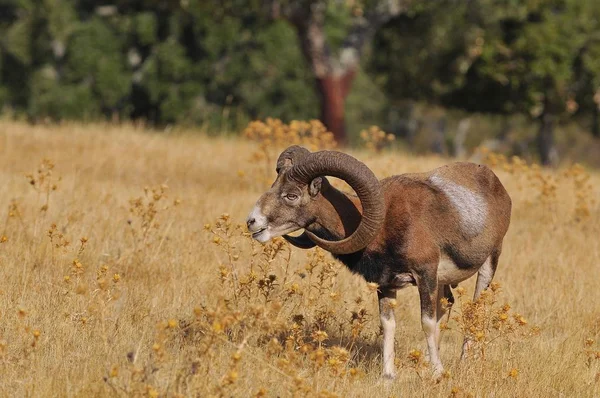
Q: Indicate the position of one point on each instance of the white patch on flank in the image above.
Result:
(471, 207)
(449, 273)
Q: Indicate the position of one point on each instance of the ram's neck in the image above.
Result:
(337, 214)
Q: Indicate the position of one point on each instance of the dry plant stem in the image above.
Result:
(143, 313)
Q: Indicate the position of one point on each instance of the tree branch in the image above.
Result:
(364, 28)
(311, 31)
(308, 17)
(293, 11)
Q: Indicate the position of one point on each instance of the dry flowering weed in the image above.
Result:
(292, 309)
(546, 184)
(44, 182)
(486, 322)
(585, 200)
(273, 135)
(375, 140)
(591, 351)
(125, 291)
(146, 224)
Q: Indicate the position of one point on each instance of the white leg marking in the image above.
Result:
(471, 207)
(388, 324)
(389, 331)
(430, 329)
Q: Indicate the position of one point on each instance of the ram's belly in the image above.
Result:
(449, 273)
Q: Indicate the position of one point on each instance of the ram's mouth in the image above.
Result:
(257, 233)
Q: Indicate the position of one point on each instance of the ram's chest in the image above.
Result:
(373, 266)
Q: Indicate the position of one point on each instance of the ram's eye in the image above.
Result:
(291, 196)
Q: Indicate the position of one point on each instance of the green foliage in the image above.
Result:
(492, 55)
(221, 63)
(17, 40)
(62, 19)
(95, 56)
(61, 101)
(146, 28)
(422, 55)
(278, 77)
(367, 105)
(164, 62)
(338, 18)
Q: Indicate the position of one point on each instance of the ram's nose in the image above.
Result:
(256, 221)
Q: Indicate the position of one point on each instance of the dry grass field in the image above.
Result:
(124, 271)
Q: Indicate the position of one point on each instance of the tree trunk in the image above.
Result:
(333, 91)
(596, 121)
(333, 73)
(545, 141)
(459, 139)
(439, 136)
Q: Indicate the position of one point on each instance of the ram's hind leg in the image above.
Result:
(428, 293)
(444, 306)
(484, 278)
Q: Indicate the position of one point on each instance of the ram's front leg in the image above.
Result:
(428, 293)
(387, 298)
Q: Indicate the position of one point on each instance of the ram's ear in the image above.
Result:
(315, 186)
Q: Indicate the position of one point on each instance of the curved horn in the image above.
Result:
(302, 241)
(294, 154)
(364, 183)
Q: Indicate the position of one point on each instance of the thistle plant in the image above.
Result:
(272, 136)
(376, 140)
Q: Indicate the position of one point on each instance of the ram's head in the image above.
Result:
(292, 202)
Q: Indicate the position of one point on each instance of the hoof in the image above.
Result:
(388, 376)
(437, 374)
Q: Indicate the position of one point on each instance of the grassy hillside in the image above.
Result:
(124, 271)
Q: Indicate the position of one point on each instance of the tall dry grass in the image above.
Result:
(124, 272)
